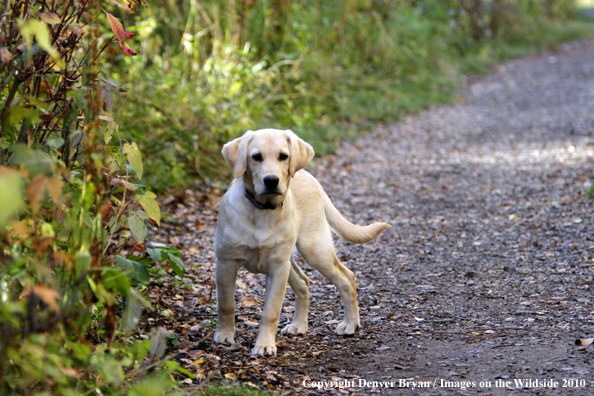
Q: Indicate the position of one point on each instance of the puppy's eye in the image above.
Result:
(257, 157)
(283, 156)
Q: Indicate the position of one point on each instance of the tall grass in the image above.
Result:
(211, 70)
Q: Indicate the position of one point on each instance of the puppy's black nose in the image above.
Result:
(271, 181)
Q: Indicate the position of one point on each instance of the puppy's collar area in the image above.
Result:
(251, 197)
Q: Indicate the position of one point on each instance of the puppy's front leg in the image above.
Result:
(276, 286)
(225, 274)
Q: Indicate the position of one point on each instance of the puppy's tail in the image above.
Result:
(347, 230)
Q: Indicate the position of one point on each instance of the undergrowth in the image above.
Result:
(327, 70)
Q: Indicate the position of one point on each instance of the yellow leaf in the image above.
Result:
(47, 231)
(36, 28)
(151, 207)
(134, 158)
(234, 88)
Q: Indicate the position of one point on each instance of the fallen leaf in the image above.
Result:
(249, 302)
(584, 341)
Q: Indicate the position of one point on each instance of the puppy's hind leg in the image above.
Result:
(319, 253)
(299, 284)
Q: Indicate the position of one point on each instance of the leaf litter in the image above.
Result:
(486, 274)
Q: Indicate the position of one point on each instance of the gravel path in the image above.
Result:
(488, 271)
(486, 276)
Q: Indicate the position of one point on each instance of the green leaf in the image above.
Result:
(82, 262)
(18, 114)
(142, 214)
(135, 271)
(158, 342)
(132, 312)
(134, 158)
(140, 349)
(155, 385)
(151, 207)
(80, 351)
(102, 293)
(11, 198)
(155, 254)
(185, 371)
(176, 264)
(55, 142)
(33, 161)
(137, 227)
(117, 281)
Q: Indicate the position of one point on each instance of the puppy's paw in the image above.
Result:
(264, 350)
(295, 328)
(347, 329)
(223, 335)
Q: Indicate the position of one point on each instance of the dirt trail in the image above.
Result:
(486, 276)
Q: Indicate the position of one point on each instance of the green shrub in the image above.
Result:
(70, 205)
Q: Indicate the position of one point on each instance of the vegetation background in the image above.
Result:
(102, 99)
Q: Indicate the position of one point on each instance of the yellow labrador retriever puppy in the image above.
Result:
(273, 206)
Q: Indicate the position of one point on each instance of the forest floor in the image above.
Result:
(485, 278)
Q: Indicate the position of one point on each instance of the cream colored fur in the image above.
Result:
(263, 240)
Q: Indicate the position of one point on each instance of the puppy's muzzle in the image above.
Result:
(271, 183)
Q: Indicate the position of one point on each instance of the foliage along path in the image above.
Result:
(486, 276)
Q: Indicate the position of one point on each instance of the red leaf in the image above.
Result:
(123, 183)
(127, 50)
(46, 117)
(75, 29)
(50, 18)
(117, 27)
(125, 7)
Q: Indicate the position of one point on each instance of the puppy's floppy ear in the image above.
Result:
(235, 153)
(301, 152)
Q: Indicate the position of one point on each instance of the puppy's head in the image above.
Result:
(267, 159)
